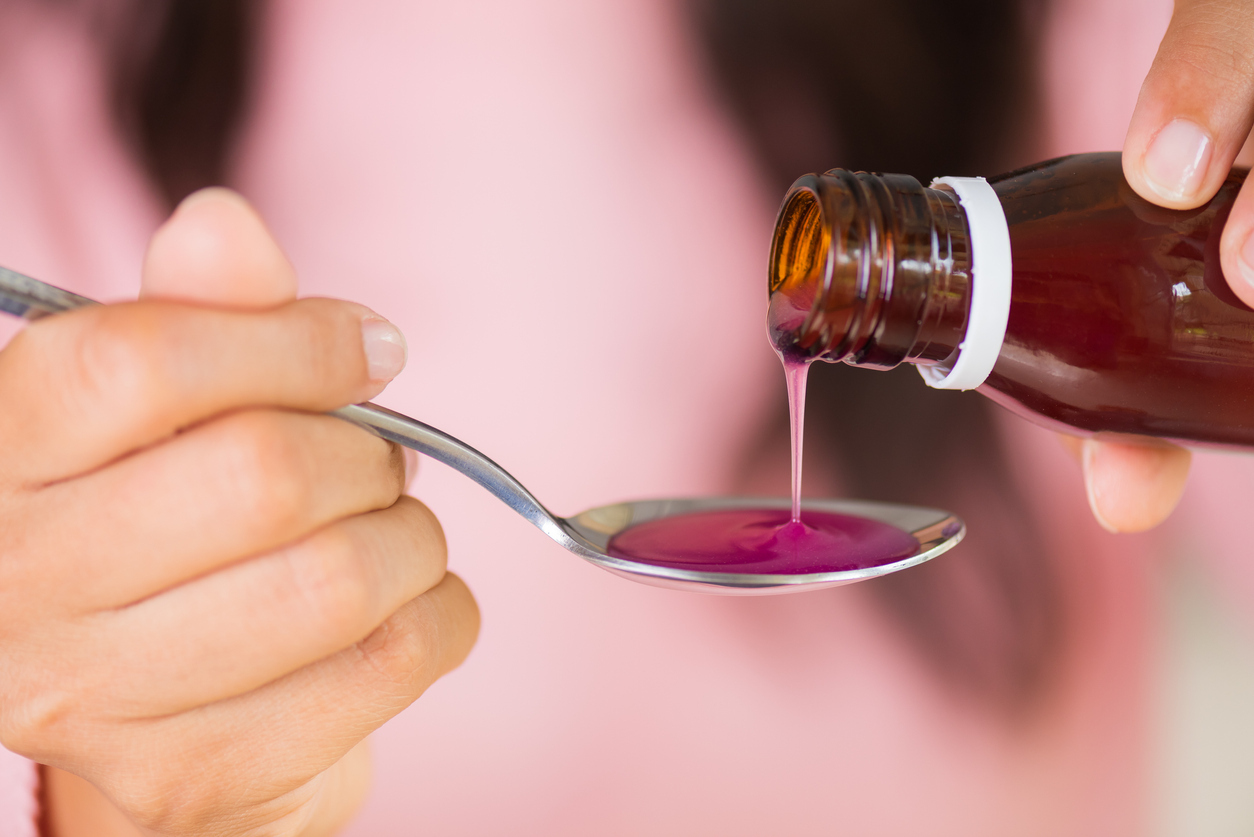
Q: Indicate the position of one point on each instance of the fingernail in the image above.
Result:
(1176, 161)
(385, 348)
(1088, 458)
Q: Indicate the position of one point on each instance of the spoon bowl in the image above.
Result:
(588, 533)
(936, 532)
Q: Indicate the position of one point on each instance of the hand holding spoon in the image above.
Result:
(924, 532)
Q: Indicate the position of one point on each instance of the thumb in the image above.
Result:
(215, 250)
(1196, 105)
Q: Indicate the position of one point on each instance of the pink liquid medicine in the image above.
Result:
(767, 541)
(764, 541)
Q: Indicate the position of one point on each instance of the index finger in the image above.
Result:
(83, 388)
(1196, 106)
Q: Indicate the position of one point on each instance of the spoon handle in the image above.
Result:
(411, 433)
(32, 299)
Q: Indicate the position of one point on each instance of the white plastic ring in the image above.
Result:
(990, 286)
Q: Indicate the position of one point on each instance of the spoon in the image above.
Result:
(588, 533)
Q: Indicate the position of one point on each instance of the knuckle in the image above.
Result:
(330, 331)
(332, 579)
(424, 639)
(265, 469)
(1215, 62)
(120, 358)
(320, 332)
(1209, 41)
(38, 723)
(149, 802)
(402, 651)
(163, 801)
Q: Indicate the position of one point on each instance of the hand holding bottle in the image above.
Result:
(1191, 121)
(209, 593)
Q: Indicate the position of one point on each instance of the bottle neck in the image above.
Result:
(870, 269)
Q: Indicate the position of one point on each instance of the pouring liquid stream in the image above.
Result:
(795, 374)
(766, 540)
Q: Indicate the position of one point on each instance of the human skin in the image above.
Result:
(210, 594)
(1191, 122)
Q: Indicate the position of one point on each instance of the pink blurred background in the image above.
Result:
(549, 201)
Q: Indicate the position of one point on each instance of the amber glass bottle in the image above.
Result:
(1055, 290)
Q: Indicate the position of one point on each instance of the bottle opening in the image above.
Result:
(800, 244)
(870, 269)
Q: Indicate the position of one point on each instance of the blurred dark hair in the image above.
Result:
(180, 75)
(923, 88)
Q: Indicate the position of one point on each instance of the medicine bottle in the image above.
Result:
(1055, 290)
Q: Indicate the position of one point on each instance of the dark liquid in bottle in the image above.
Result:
(1120, 317)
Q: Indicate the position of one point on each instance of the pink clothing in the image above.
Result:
(547, 201)
(19, 806)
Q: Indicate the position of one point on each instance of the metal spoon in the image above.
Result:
(588, 533)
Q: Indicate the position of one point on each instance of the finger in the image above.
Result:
(1133, 485)
(245, 484)
(290, 730)
(251, 623)
(84, 388)
(1236, 246)
(343, 698)
(1246, 156)
(215, 250)
(1196, 105)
